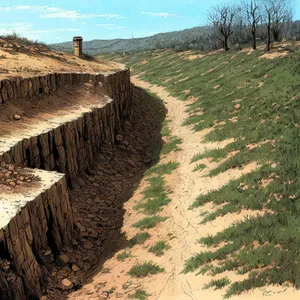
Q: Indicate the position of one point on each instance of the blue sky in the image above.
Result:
(58, 21)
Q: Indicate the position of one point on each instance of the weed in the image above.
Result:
(149, 222)
(139, 239)
(112, 290)
(171, 145)
(122, 256)
(139, 294)
(165, 129)
(162, 169)
(155, 197)
(199, 167)
(159, 248)
(218, 284)
(145, 269)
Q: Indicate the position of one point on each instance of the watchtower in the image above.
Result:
(77, 41)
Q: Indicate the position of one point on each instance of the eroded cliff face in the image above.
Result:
(40, 223)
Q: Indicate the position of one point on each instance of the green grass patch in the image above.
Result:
(159, 248)
(139, 239)
(165, 131)
(199, 167)
(171, 145)
(122, 256)
(139, 294)
(218, 284)
(149, 222)
(145, 269)
(162, 169)
(155, 197)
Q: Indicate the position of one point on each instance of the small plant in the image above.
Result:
(155, 197)
(143, 270)
(122, 256)
(172, 145)
(162, 169)
(112, 290)
(218, 284)
(199, 167)
(139, 239)
(149, 222)
(139, 294)
(165, 130)
(159, 248)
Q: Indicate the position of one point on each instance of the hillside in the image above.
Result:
(237, 114)
(162, 40)
(21, 57)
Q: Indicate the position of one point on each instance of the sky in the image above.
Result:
(59, 20)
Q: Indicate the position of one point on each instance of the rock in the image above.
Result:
(75, 268)
(48, 252)
(66, 284)
(119, 138)
(132, 163)
(62, 260)
(88, 245)
(17, 117)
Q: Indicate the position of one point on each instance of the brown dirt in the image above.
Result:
(39, 115)
(189, 55)
(273, 55)
(29, 60)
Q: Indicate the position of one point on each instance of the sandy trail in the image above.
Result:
(182, 223)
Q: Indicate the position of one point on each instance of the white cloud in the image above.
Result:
(111, 26)
(161, 14)
(73, 14)
(48, 12)
(26, 29)
(55, 30)
(9, 28)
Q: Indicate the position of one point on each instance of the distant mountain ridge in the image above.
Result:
(161, 40)
(202, 38)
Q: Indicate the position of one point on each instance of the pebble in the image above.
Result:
(66, 284)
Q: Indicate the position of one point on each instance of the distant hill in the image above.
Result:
(161, 40)
(200, 38)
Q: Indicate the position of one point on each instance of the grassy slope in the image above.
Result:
(266, 247)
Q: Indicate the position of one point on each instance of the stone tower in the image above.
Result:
(77, 41)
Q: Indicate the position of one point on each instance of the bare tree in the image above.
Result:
(252, 13)
(277, 15)
(268, 19)
(222, 18)
(282, 15)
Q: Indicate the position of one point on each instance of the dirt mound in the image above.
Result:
(21, 57)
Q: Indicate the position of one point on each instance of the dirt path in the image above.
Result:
(182, 224)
